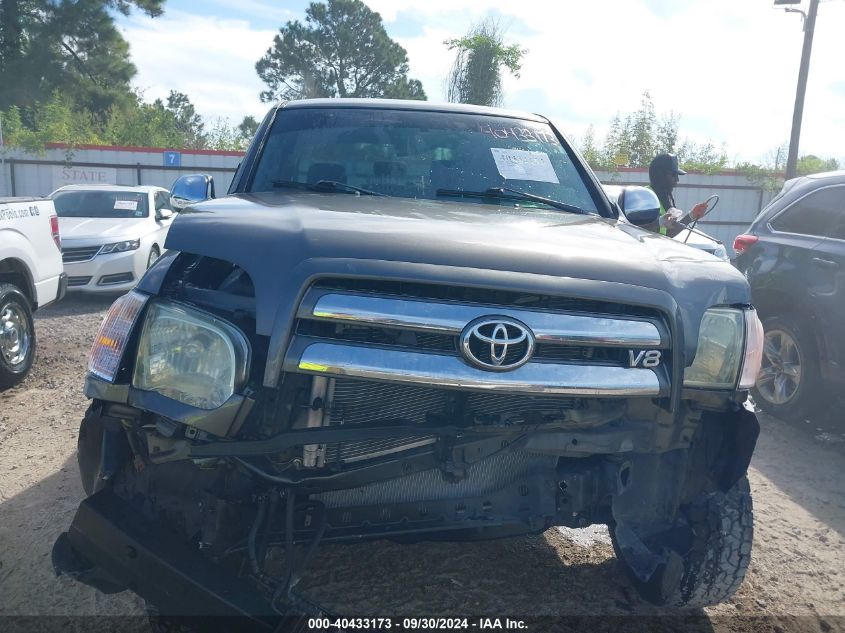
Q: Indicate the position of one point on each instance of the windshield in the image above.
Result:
(419, 155)
(100, 204)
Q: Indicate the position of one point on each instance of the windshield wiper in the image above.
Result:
(505, 193)
(326, 186)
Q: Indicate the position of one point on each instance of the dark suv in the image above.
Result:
(793, 255)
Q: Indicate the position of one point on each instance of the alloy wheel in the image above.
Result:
(15, 335)
(780, 374)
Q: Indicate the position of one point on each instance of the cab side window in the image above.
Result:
(819, 214)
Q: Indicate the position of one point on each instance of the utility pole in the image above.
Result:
(2, 157)
(803, 72)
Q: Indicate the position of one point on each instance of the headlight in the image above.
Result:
(190, 356)
(721, 340)
(120, 247)
(729, 339)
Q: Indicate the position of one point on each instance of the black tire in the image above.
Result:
(714, 567)
(153, 256)
(807, 398)
(16, 323)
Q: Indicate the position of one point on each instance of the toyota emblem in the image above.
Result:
(497, 343)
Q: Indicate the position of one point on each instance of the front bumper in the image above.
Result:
(115, 272)
(110, 547)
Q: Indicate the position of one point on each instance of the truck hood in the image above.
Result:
(273, 235)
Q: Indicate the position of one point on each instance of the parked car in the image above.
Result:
(413, 321)
(691, 236)
(31, 277)
(111, 234)
(793, 255)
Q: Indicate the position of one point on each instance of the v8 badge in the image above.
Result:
(648, 358)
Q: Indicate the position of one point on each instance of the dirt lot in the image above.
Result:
(797, 571)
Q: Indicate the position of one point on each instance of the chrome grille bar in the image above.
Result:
(451, 318)
(436, 370)
(78, 255)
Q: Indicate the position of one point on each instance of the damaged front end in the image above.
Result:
(212, 480)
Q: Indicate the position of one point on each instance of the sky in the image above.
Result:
(728, 69)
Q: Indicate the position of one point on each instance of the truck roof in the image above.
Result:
(404, 104)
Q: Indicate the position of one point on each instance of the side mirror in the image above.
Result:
(164, 214)
(640, 205)
(190, 190)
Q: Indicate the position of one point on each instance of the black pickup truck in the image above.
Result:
(413, 321)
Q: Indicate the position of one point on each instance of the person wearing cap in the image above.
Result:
(663, 175)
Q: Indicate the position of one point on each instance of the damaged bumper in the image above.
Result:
(111, 548)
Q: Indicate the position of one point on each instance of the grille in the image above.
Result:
(483, 477)
(370, 449)
(378, 336)
(595, 355)
(484, 296)
(76, 255)
(396, 352)
(362, 402)
(426, 341)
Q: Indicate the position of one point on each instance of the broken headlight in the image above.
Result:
(190, 356)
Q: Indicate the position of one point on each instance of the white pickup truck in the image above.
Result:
(31, 276)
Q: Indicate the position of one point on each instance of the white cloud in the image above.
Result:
(729, 69)
(209, 59)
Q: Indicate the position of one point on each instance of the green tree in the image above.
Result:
(143, 124)
(70, 46)
(811, 164)
(342, 50)
(248, 127)
(476, 74)
(770, 173)
(189, 124)
(224, 136)
(589, 150)
(642, 126)
(702, 157)
(54, 121)
(616, 150)
(666, 140)
(633, 141)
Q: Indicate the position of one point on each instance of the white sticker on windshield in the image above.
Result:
(126, 205)
(519, 164)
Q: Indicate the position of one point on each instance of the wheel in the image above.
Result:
(722, 526)
(789, 385)
(17, 336)
(154, 255)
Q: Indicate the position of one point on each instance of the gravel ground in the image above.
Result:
(796, 581)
